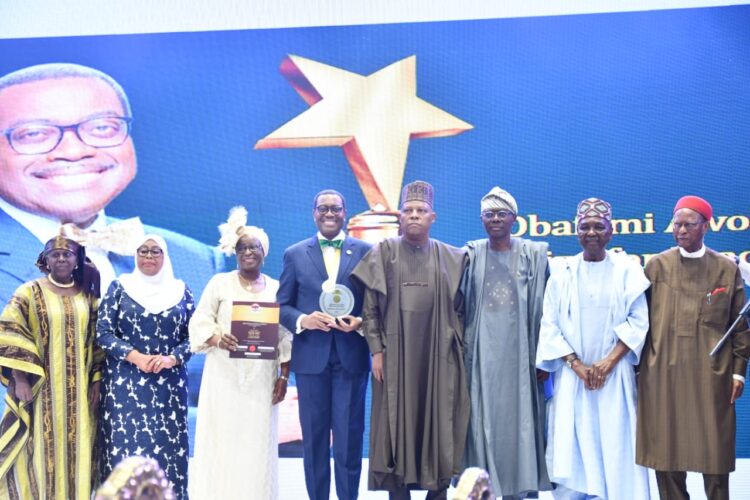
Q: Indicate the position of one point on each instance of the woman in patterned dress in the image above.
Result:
(236, 436)
(143, 327)
(52, 370)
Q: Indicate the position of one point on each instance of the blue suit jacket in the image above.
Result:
(299, 293)
(194, 262)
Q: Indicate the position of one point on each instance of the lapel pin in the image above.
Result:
(348, 252)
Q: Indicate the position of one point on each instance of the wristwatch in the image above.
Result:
(571, 361)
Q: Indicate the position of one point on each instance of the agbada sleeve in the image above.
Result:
(552, 344)
(205, 323)
(741, 337)
(370, 274)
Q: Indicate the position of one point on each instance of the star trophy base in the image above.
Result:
(374, 226)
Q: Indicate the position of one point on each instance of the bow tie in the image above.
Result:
(331, 243)
(117, 237)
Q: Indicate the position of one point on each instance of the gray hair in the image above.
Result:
(55, 71)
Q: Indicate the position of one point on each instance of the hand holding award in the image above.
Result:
(337, 301)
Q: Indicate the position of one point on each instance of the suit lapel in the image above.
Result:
(18, 250)
(316, 256)
(345, 262)
(121, 263)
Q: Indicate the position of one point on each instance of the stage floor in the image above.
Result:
(293, 483)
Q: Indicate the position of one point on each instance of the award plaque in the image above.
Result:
(256, 326)
(336, 300)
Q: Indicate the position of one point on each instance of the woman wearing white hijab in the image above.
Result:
(236, 437)
(143, 327)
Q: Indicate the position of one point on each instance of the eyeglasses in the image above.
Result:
(334, 209)
(491, 214)
(248, 248)
(689, 226)
(40, 138)
(155, 252)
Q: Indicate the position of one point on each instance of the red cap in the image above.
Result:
(696, 204)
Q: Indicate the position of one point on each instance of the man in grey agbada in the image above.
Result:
(503, 289)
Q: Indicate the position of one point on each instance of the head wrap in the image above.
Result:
(695, 204)
(85, 275)
(594, 207)
(235, 228)
(499, 199)
(418, 191)
(155, 293)
(61, 242)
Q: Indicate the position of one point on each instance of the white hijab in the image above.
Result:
(154, 293)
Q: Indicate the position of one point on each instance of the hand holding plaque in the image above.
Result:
(348, 323)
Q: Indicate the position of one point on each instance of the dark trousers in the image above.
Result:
(672, 485)
(332, 401)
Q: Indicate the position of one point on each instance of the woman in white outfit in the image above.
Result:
(236, 438)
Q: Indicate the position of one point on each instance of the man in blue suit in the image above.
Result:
(330, 358)
(65, 154)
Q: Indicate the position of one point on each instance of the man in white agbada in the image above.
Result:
(593, 329)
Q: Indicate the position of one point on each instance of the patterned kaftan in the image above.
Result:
(46, 445)
(144, 413)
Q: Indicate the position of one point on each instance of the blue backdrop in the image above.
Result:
(637, 108)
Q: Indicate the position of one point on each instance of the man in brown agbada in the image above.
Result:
(420, 403)
(686, 414)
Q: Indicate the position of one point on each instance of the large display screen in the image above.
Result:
(638, 108)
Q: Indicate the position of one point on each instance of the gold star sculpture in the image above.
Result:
(371, 117)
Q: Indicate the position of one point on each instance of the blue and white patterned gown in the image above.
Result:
(144, 413)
